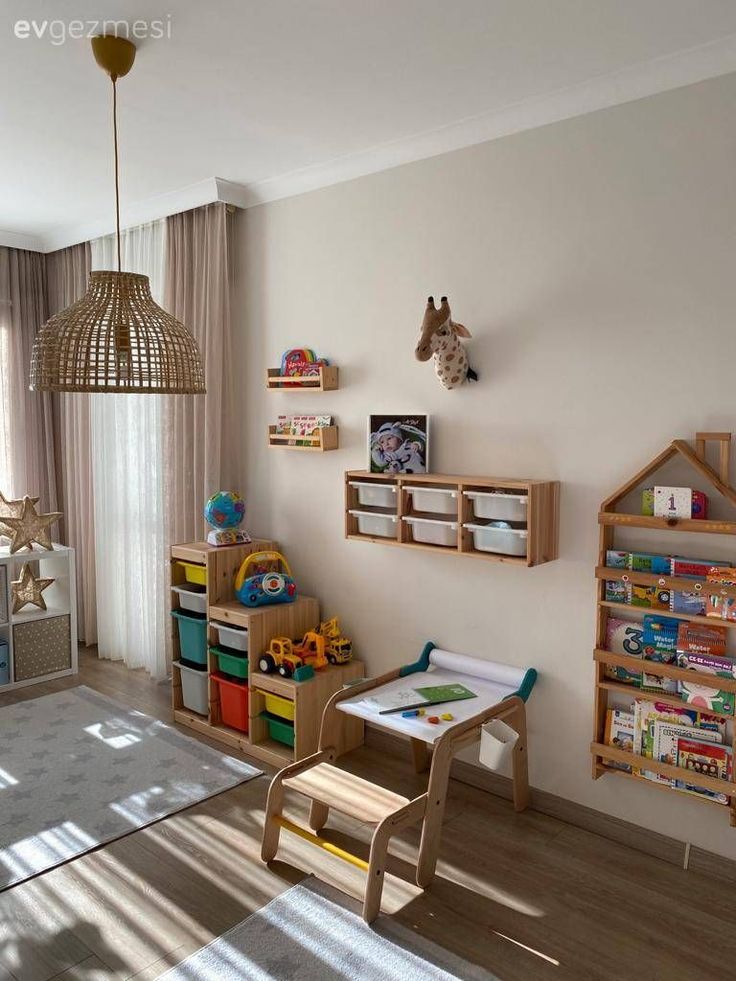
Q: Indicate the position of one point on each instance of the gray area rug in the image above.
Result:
(77, 770)
(312, 932)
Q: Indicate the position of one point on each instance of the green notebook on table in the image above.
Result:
(432, 695)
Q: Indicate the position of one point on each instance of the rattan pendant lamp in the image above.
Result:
(116, 338)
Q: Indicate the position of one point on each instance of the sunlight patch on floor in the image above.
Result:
(7, 779)
(120, 740)
(531, 950)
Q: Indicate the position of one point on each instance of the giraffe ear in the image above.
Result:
(461, 330)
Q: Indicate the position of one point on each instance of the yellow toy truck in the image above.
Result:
(286, 657)
(339, 649)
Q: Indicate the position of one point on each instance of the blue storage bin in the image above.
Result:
(192, 635)
(4, 663)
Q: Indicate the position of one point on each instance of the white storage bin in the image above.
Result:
(192, 597)
(234, 637)
(194, 688)
(433, 500)
(375, 495)
(432, 531)
(508, 541)
(498, 506)
(497, 741)
(383, 525)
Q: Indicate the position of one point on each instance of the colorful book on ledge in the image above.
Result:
(411, 698)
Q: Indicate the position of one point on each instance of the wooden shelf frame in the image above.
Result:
(609, 519)
(542, 513)
(327, 380)
(324, 439)
(263, 623)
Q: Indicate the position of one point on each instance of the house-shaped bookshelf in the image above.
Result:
(611, 692)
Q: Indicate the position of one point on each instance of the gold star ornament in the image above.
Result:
(29, 527)
(28, 590)
(12, 509)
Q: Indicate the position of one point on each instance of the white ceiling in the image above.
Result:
(287, 95)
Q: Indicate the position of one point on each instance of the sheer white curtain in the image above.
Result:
(128, 479)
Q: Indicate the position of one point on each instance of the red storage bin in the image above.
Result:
(233, 702)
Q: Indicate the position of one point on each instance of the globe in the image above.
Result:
(225, 509)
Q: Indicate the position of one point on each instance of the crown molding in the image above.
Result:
(653, 77)
(17, 240)
(672, 71)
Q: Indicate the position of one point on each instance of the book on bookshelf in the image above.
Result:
(703, 759)
(620, 733)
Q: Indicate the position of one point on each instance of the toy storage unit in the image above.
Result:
(494, 518)
(272, 718)
(38, 645)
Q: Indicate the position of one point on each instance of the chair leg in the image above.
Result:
(376, 869)
(432, 826)
(318, 815)
(271, 828)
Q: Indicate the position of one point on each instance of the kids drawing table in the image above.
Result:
(501, 692)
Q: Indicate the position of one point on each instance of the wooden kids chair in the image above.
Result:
(501, 692)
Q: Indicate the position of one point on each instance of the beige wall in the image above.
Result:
(595, 263)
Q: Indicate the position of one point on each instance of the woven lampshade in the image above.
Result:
(116, 339)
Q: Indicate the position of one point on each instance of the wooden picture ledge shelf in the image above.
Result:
(326, 380)
(609, 519)
(324, 439)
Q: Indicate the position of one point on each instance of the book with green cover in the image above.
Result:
(445, 693)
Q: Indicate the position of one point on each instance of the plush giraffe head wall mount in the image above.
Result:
(440, 338)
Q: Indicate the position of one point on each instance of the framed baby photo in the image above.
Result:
(398, 443)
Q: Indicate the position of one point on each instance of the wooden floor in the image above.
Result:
(526, 896)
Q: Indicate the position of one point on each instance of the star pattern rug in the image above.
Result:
(312, 932)
(78, 769)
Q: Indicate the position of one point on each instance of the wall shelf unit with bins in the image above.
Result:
(456, 514)
(221, 671)
(325, 438)
(326, 380)
(610, 692)
(38, 645)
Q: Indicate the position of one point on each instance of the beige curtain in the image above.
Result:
(197, 292)
(67, 274)
(27, 462)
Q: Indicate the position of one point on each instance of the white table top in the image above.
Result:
(489, 693)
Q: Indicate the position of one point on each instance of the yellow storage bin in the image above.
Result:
(194, 573)
(277, 705)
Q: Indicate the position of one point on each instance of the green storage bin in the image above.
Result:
(230, 662)
(192, 636)
(279, 729)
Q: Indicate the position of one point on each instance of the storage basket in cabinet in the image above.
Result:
(230, 662)
(234, 637)
(4, 663)
(41, 647)
(233, 702)
(192, 635)
(194, 688)
(3, 594)
(505, 541)
(194, 573)
(374, 495)
(433, 500)
(279, 729)
(498, 505)
(192, 597)
(432, 531)
(374, 524)
(276, 705)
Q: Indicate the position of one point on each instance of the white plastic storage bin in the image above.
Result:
(194, 688)
(233, 637)
(192, 597)
(497, 741)
(498, 506)
(508, 541)
(375, 495)
(382, 525)
(432, 531)
(433, 500)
